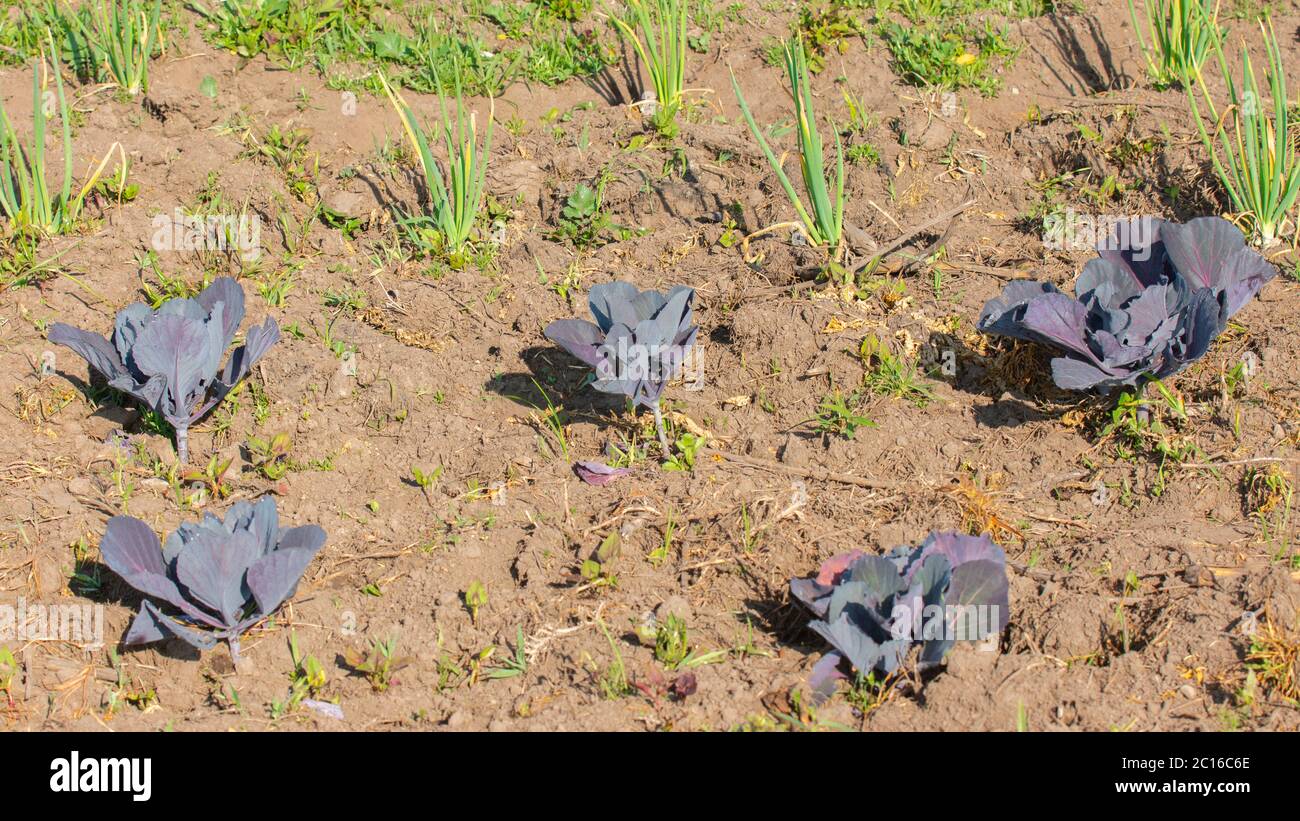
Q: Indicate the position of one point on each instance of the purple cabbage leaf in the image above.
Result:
(219, 576)
(874, 609)
(1144, 312)
(637, 344)
(598, 473)
(170, 358)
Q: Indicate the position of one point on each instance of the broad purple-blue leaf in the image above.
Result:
(825, 677)
(131, 549)
(1200, 248)
(1004, 314)
(1076, 375)
(879, 575)
(220, 573)
(96, 350)
(128, 324)
(1061, 321)
(638, 343)
(212, 568)
(1146, 308)
(960, 548)
(981, 583)
(169, 359)
(865, 652)
(151, 625)
(598, 473)
(227, 292)
(815, 592)
(617, 303)
(274, 578)
(577, 336)
(1245, 274)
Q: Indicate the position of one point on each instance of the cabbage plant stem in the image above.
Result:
(183, 445)
(659, 428)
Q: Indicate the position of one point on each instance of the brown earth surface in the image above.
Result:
(1130, 580)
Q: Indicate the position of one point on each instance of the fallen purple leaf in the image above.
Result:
(596, 473)
(325, 708)
(684, 685)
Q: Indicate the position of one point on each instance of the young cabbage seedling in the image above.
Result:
(874, 609)
(1142, 313)
(212, 477)
(425, 479)
(222, 575)
(270, 457)
(639, 342)
(170, 359)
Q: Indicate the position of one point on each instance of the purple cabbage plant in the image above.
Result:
(874, 609)
(221, 575)
(1140, 313)
(637, 344)
(170, 358)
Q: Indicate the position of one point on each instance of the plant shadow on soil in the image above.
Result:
(1015, 401)
(112, 591)
(1070, 45)
(608, 86)
(541, 385)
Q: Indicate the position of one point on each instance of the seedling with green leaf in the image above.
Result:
(583, 220)
(425, 479)
(270, 457)
(1138, 423)
(683, 457)
(837, 415)
(614, 681)
(1180, 35)
(307, 679)
(212, 477)
(476, 596)
(514, 666)
(892, 374)
(9, 667)
(821, 222)
(673, 649)
(1270, 495)
(123, 36)
(660, 41)
(596, 570)
(457, 198)
(660, 554)
(25, 196)
(378, 663)
(549, 420)
(1253, 149)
